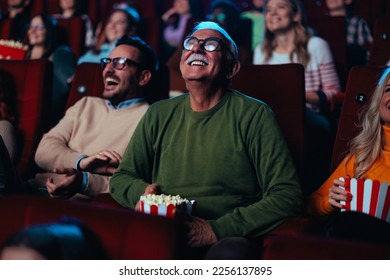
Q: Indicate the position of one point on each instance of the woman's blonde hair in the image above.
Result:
(367, 145)
(302, 36)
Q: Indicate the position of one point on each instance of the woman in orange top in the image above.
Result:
(369, 156)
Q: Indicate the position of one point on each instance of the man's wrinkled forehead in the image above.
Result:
(207, 32)
(219, 32)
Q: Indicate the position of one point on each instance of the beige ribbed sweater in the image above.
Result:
(88, 127)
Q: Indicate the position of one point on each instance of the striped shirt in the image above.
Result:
(320, 72)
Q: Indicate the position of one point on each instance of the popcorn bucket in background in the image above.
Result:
(368, 196)
(10, 49)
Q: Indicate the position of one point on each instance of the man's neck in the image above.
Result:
(126, 103)
(202, 99)
(341, 11)
(285, 41)
(67, 13)
(37, 52)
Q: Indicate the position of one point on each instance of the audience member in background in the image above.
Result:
(97, 130)
(227, 14)
(257, 17)
(216, 146)
(65, 240)
(8, 113)
(288, 41)
(77, 8)
(19, 11)
(121, 21)
(120, 4)
(43, 43)
(358, 33)
(175, 20)
(368, 158)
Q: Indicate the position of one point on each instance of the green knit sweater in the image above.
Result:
(231, 159)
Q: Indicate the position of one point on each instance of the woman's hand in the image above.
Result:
(337, 194)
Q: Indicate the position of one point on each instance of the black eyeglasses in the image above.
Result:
(210, 44)
(118, 62)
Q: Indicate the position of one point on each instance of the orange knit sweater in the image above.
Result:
(317, 203)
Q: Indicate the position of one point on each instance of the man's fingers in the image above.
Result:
(110, 170)
(111, 155)
(152, 189)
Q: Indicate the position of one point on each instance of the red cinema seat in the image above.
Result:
(380, 47)
(305, 247)
(72, 31)
(33, 80)
(5, 28)
(333, 30)
(125, 235)
(87, 81)
(361, 83)
(259, 81)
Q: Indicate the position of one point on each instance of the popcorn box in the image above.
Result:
(165, 205)
(12, 50)
(371, 197)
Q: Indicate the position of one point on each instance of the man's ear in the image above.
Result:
(234, 70)
(145, 77)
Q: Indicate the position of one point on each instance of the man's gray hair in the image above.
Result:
(215, 26)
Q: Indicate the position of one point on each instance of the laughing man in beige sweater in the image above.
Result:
(95, 131)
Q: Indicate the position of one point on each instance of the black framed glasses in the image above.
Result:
(118, 62)
(36, 27)
(210, 44)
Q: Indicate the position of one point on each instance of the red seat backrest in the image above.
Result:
(72, 31)
(380, 47)
(125, 235)
(284, 94)
(87, 81)
(361, 83)
(333, 30)
(3, 7)
(38, 6)
(151, 32)
(33, 80)
(314, 8)
(53, 7)
(5, 28)
(310, 247)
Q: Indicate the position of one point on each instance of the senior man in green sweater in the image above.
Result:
(217, 146)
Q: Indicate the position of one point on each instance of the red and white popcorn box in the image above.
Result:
(371, 197)
(10, 49)
(164, 205)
